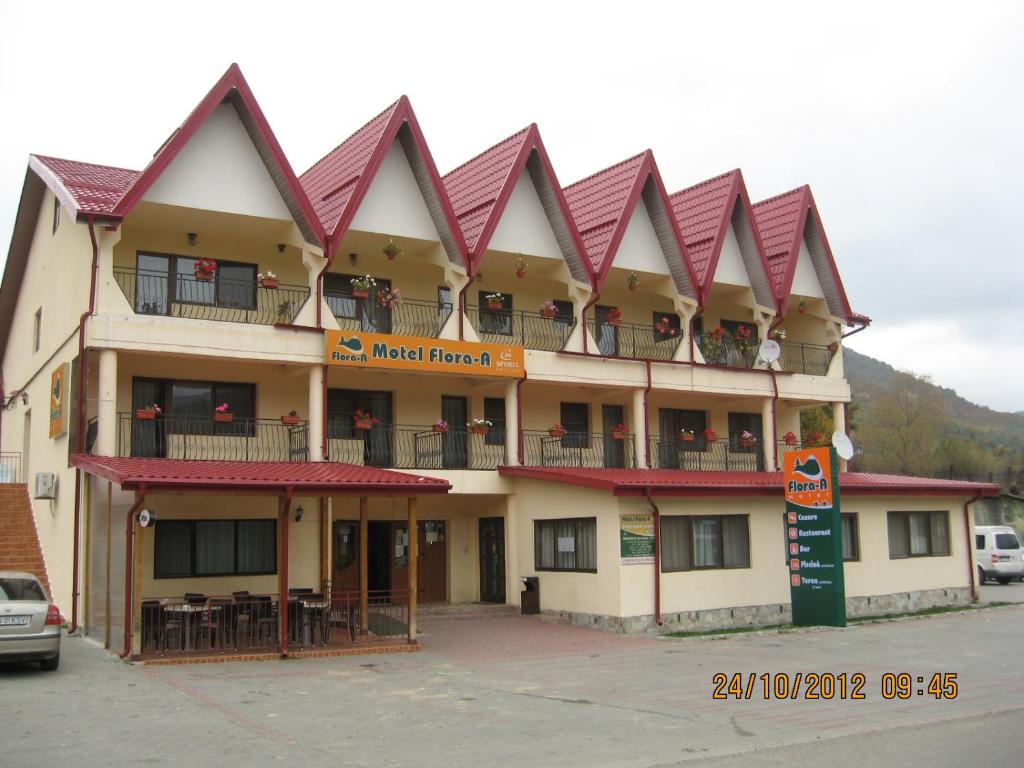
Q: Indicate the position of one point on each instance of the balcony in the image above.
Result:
(812, 359)
(187, 437)
(578, 449)
(645, 342)
(719, 349)
(524, 329)
(410, 317)
(395, 446)
(701, 455)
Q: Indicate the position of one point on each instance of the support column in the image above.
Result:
(839, 425)
(512, 423)
(284, 507)
(414, 541)
(316, 412)
(106, 412)
(638, 426)
(325, 542)
(364, 565)
(768, 428)
(137, 590)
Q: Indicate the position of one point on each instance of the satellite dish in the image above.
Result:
(770, 350)
(842, 445)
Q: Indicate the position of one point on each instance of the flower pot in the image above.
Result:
(688, 438)
(363, 423)
(710, 437)
(790, 440)
(291, 420)
(747, 442)
(520, 273)
(549, 314)
(270, 282)
(203, 276)
(495, 306)
(440, 429)
(633, 287)
(619, 434)
(223, 418)
(556, 432)
(145, 414)
(614, 322)
(479, 430)
(359, 294)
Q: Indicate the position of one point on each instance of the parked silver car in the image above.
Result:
(29, 622)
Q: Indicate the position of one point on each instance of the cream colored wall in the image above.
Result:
(805, 279)
(219, 169)
(731, 268)
(393, 203)
(726, 302)
(640, 248)
(654, 295)
(524, 226)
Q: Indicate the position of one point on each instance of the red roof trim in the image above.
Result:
(828, 254)
(231, 81)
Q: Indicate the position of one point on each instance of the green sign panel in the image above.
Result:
(814, 538)
(636, 539)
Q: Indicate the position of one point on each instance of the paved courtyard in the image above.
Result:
(512, 690)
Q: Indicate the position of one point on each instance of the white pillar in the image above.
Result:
(839, 425)
(768, 427)
(106, 404)
(316, 412)
(512, 423)
(638, 428)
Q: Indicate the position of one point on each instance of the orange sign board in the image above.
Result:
(59, 383)
(808, 478)
(413, 353)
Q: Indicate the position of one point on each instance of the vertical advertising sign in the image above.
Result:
(59, 400)
(814, 537)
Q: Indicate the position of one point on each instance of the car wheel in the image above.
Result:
(50, 665)
(981, 575)
(1003, 579)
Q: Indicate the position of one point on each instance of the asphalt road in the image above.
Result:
(634, 704)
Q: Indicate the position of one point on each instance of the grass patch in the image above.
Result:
(731, 631)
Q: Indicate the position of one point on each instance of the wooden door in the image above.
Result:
(454, 410)
(345, 571)
(492, 560)
(432, 563)
(614, 450)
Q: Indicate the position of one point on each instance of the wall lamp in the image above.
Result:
(192, 237)
(299, 512)
(24, 398)
(353, 258)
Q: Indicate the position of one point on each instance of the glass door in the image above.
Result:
(455, 411)
(607, 333)
(614, 450)
(148, 436)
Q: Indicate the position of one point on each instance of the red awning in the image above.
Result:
(674, 482)
(270, 477)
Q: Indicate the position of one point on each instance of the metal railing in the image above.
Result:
(176, 626)
(224, 299)
(578, 449)
(397, 446)
(726, 350)
(701, 455)
(410, 317)
(526, 329)
(387, 615)
(645, 342)
(10, 467)
(188, 437)
(812, 359)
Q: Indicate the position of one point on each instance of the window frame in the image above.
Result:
(37, 330)
(577, 522)
(168, 385)
(191, 523)
(905, 516)
(720, 543)
(173, 275)
(56, 215)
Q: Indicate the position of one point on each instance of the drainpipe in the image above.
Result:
(519, 417)
(693, 342)
(657, 555)
(647, 424)
(775, 421)
(320, 283)
(129, 568)
(856, 330)
(80, 430)
(462, 299)
(583, 320)
(282, 598)
(969, 537)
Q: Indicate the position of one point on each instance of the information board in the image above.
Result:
(636, 538)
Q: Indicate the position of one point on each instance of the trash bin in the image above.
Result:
(529, 598)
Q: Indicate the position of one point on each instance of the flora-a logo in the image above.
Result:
(353, 345)
(808, 478)
(810, 469)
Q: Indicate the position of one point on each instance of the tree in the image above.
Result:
(903, 429)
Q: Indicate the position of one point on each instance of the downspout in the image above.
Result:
(462, 298)
(320, 283)
(129, 567)
(519, 418)
(282, 598)
(775, 421)
(80, 430)
(856, 330)
(969, 537)
(657, 555)
(647, 424)
(693, 341)
(583, 320)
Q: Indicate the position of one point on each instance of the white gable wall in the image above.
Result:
(805, 279)
(524, 226)
(219, 169)
(640, 248)
(393, 204)
(731, 268)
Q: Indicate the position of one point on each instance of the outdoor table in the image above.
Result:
(187, 609)
(308, 605)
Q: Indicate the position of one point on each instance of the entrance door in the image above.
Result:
(432, 562)
(492, 560)
(455, 411)
(346, 556)
(614, 450)
(148, 437)
(379, 556)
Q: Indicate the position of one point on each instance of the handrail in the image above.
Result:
(579, 449)
(522, 328)
(407, 317)
(10, 467)
(811, 359)
(189, 437)
(698, 454)
(635, 340)
(403, 446)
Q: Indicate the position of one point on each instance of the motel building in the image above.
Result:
(249, 411)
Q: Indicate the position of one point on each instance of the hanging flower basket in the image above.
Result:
(270, 282)
(747, 442)
(556, 430)
(145, 414)
(802, 307)
(549, 314)
(614, 316)
(790, 438)
(633, 281)
(620, 432)
(440, 428)
(291, 419)
(365, 423)
(479, 430)
(203, 276)
(224, 417)
(392, 250)
(360, 294)
(520, 273)
(833, 347)
(710, 435)
(687, 437)
(204, 269)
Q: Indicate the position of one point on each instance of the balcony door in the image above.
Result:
(148, 436)
(455, 411)
(607, 334)
(672, 450)
(614, 450)
(746, 456)
(367, 313)
(378, 442)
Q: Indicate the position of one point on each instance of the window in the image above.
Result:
(494, 412)
(1007, 541)
(918, 534)
(979, 541)
(606, 331)
(186, 548)
(666, 326)
(851, 537)
(565, 312)
(161, 279)
(575, 419)
(565, 545)
(37, 329)
(56, 215)
(692, 543)
(496, 321)
(194, 402)
(732, 326)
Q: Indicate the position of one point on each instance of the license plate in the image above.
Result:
(1004, 558)
(13, 621)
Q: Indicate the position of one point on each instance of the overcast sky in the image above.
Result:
(906, 119)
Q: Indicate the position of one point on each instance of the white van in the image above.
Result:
(998, 554)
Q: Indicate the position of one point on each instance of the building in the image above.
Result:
(390, 387)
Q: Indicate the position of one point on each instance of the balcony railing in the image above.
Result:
(188, 437)
(645, 342)
(701, 455)
(10, 467)
(726, 350)
(398, 446)
(578, 449)
(812, 359)
(411, 317)
(526, 329)
(232, 301)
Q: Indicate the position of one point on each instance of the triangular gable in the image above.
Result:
(337, 183)
(603, 204)
(481, 189)
(234, 90)
(709, 217)
(786, 223)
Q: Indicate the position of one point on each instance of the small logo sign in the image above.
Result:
(795, 579)
(146, 518)
(794, 548)
(793, 533)
(808, 478)
(794, 564)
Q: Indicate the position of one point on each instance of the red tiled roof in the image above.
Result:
(90, 188)
(702, 212)
(780, 221)
(270, 476)
(475, 185)
(673, 482)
